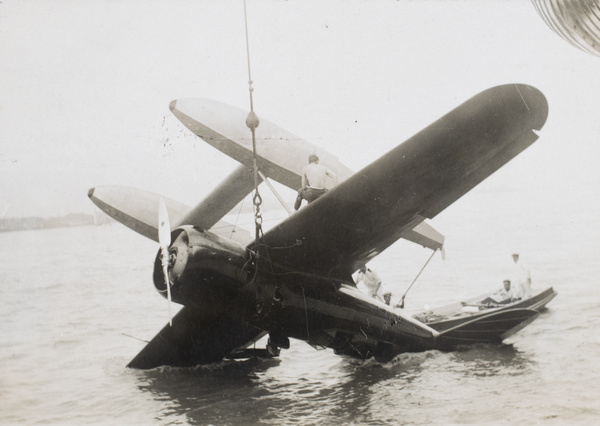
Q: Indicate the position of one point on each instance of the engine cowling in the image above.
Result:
(204, 269)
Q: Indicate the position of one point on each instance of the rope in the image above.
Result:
(411, 284)
(136, 338)
(248, 55)
(252, 122)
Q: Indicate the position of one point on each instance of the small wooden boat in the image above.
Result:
(472, 321)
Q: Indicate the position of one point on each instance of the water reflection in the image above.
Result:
(489, 360)
(221, 393)
(307, 386)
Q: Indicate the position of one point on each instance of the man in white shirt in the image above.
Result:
(314, 181)
(522, 278)
(502, 296)
(370, 279)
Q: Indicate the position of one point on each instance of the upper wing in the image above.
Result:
(418, 179)
(281, 156)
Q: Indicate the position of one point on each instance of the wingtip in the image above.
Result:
(91, 192)
(535, 103)
(173, 105)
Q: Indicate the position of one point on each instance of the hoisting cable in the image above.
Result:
(401, 304)
(252, 122)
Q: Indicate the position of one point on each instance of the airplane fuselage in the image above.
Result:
(220, 276)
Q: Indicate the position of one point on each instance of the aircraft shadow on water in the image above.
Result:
(295, 280)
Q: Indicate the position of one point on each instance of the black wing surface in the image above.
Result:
(418, 179)
(196, 337)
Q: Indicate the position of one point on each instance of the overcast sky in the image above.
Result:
(85, 88)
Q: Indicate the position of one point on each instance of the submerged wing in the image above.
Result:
(195, 337)
(418, 179)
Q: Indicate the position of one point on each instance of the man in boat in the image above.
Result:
(522, 277)
(387, 299)
(370, 279)
(314, 180)
(502, 296)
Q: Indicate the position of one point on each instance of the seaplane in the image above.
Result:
(295, 280)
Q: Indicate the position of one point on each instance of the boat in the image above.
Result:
(471, 321)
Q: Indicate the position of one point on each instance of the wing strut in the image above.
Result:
(401, 304)
(272, 188)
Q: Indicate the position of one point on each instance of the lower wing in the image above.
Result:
(196, 337)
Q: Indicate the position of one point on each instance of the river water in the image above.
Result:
(76, 301)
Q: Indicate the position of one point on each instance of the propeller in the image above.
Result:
(164, 239)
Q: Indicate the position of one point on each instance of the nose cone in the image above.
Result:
(178, 259)
(178, 256)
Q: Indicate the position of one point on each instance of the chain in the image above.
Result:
(252, 122)
(258, 219)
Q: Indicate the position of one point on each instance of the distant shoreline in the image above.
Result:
(36, 222)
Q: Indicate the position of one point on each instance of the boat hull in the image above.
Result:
(470, 322)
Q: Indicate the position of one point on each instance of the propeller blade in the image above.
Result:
(164, 228)
(164, 239)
